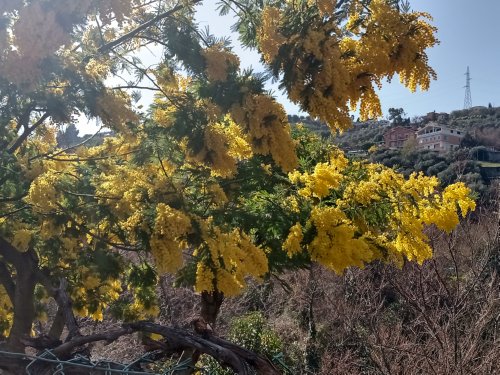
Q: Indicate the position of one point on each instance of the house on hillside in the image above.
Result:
(396, 137)
(438, 137)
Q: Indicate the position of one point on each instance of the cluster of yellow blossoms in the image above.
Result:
(292, 244)
(6, 312)
(224, 145)
(266, 122)
(270, 40)
(37, 34)
(22, 238)
(377, 209)
(41, 30)
(325, 178)
(336, 69)
(219, 61)
(115, 111)
(257, 126)
(92, 295)
(166, 242)
(138, 310)
(232, 257)
(335, 245)
(43, 193)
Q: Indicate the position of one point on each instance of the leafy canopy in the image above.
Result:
(208, 183)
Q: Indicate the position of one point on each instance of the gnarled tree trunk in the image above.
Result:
(210, 306)
(20, 289)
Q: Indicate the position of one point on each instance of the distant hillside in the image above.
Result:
(482, 124)
(362, 135)
(315, 126)
(476, 117)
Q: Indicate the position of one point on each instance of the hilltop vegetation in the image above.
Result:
(481, 123)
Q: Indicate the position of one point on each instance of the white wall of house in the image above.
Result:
(439, 138)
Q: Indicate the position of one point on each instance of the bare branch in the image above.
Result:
(177, 340)
(27, 131)
(64, 302)
(126, 37)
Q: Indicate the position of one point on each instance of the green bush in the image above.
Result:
(252, 332)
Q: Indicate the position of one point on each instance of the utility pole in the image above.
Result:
(468, 96)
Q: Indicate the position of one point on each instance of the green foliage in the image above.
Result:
(396, 115)
(449, 168)
(252, 332)
(312, 149)
(360, 134)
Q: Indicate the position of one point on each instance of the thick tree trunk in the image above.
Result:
(24, 309)
(26, 265)
(210, 306)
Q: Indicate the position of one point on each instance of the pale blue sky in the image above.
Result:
(469, 32)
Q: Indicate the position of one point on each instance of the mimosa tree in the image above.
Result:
(208, 184)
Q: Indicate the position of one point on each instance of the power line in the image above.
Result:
(468, 96)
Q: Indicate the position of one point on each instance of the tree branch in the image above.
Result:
(59, 152)
(135, 87)
(14, 211)
(185, 340)
(109, 46)
(176, 340)
(12, 199)
(27, 131)
(57, 327)
(64, 302)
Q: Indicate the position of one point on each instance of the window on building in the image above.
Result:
(458, 132)
(451, 131)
